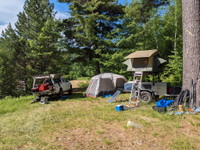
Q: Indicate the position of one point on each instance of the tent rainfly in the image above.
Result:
(103, 84)
(145, 61)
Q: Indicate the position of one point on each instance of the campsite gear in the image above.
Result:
(160, 109)
(132, 124)
(104, 84)
(190, 109)
(106, 96)
(164, 103)
(144, 61)
(135, 91)
(43, 87)
(182, 98)
(44, 100)
(127, 107)
(196, 109)
(114, 96)
(178, 113)
(119, 107)
(180, 107)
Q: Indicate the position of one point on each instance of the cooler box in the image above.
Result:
(119, 107)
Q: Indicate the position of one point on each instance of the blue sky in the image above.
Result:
(9, 11)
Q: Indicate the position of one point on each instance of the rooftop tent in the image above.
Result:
(103, 84)
(145, 61)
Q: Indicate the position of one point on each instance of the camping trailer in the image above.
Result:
(147, 61)
(144, 61)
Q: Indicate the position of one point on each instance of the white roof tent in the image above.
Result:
(144, 61)
(103, 84)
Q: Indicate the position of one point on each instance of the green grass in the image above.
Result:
(182, 143)
(91, 123)
(84, 78)
(83, 85)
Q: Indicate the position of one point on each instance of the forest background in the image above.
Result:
(95, 39)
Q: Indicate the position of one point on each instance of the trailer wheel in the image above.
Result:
(145, 97)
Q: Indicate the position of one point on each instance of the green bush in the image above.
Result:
(83, 85)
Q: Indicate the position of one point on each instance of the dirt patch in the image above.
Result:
(76, 82)
(107, 136)
(188, 129)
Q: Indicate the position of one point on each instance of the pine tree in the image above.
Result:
(89, 32)
(38, 38)
(36, 41)
(8, 78)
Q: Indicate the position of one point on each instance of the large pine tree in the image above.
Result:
(90, 30)
(36, 41)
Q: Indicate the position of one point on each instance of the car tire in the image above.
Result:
(60, 95)
(145, 97)
(70, 91)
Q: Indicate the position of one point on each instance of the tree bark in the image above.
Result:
(97, 70)
(191, 45)
(176, 25)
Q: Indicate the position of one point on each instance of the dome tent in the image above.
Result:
(103, 84)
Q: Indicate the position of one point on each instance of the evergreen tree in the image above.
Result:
(35, 43)
(8, 82)
(38, 39)
(89, 32)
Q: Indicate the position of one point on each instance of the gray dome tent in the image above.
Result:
(103, 84)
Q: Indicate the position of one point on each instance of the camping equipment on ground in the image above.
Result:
(196, 110)
(161, 106)
(114, 96)
(122, 107)
(160, 109)
(44, 100)
(144, 61)
(135, 90)
(119, 107)
(109, 95)
(182, 98)
(164, 103)
(104, 84)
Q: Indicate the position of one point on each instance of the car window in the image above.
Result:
(57, 80)
(66, 80)
(63, 79)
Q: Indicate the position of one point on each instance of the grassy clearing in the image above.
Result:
(87, 123)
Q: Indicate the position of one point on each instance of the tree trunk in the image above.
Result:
(97, 69)
(191, 45)
(176, 25)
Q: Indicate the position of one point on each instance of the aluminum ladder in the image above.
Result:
(135, 90)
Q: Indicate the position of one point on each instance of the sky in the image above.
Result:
(9, 11)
